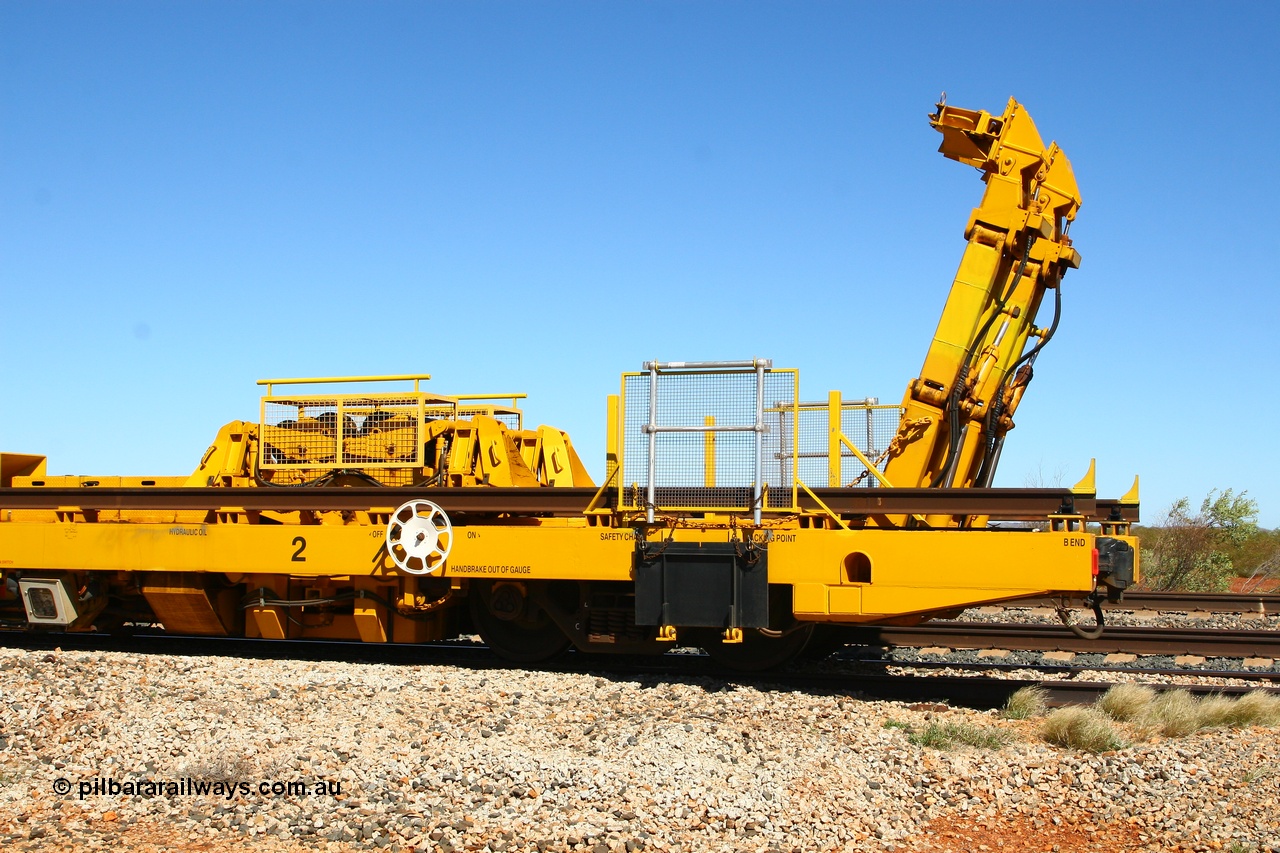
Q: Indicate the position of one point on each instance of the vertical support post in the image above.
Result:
(758, 501)
(795, 439)
(611, 444)
(372, 618)
(834, 451)
(709, 453)
(653, 440)
(784, 439)
(420, 430)
(339, 432)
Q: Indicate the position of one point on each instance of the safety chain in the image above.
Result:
(750, 554)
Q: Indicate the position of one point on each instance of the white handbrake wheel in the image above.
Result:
(419, 537)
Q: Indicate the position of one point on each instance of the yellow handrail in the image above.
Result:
(326, 380)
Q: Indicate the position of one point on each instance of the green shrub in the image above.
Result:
(1192, 550)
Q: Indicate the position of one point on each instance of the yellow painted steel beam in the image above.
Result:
(612, 436)
(871, 467)
(897, 571)
(552, 550)
(838, 520)
(709, 453)
(835, 430)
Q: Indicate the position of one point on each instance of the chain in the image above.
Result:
(750, 554)
(909, 433)
(875, 463)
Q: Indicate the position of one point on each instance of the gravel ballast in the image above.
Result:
(445, 758)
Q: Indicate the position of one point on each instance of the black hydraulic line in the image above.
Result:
(257, 598)
(319, 482)
(957, 387)
(987, 472)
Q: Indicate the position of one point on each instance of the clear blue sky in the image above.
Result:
(535, 197)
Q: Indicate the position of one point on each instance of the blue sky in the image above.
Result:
(535, 197)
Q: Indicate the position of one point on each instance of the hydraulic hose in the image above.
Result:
(957, 388)
(993, 442)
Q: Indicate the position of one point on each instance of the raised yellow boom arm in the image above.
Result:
(956, 413)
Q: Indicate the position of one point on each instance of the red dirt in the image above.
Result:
(1271, 585)
(1016, 833)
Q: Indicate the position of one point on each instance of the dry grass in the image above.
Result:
(1026, 703)
(1255, 708)
(1126, 702)
(1175, 713)
(1216, 711)
(1256, 774)
(1081, 728)
(948, 735)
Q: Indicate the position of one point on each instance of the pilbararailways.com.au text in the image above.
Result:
(188, 787)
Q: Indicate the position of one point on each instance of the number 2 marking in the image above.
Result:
(302, 546)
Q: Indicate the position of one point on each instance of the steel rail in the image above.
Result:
(528, 501)
(1024, 504)
(1267, 604)
(1066, 670)
(1120, 639)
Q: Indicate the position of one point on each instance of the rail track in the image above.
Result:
(1263, 678)
(844, 673)
(1266, 604)
(849, 671)
(1115, 640)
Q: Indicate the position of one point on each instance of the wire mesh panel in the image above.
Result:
(300, 432)
(868, 427)
(704, 447)
(341, 431)
(507, 417)
(361, 430)
(381, 431)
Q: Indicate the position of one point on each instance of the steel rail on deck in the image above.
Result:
(1028, 504)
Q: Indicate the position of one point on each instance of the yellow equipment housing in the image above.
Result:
(733, 515)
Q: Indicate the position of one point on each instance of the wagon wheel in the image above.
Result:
(759, 649)
(512, 625)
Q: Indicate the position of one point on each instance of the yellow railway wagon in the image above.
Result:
(733, 515)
